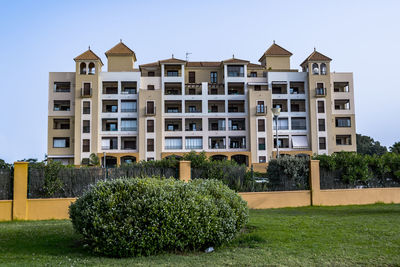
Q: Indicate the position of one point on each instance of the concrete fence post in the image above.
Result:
(20, 191)
(315, 183)
(184, 170)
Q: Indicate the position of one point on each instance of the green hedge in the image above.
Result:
(132, 216)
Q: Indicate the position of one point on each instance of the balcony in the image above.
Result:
(299, 124)
(128, 125)
(128, 143)
(283, 124)
(62, 105)
(86, 92)
(110, 106)
(235, 70)
(297, 105)
(110, 88)
(279, 87)
(192, 106)
(296, 88)
(320, 92)
(236, 106)
(341, 87)
(235, 88)
(61, 124)
(172, 125)
(173, 143)
(194, 143)
(172, 88)
(216, 142)
(109, 143)
(342, 104)
(216, 89)
(128, 106)
(216, 125)
(171, 106)
(193, 89)
(109, 125)
(237, 142)
(128, 88)
(172, 70)
(193, 125)
(280, 103)
(237, 124)
(261, 110)
(216, 106)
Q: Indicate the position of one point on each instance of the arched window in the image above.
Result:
(92, 69)
(83, 68)
(315, 69)
(323, 69)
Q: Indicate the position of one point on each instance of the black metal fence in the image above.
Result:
(6, 183)
(72, 182)
(333, 179)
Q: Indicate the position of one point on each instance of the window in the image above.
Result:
(150, 109)
(260, 107)
(257, 87)
(343, 140)
(61, 142)
(128, 124)
(321, 125)
(261, 143)
(343, 122)
(322, 143)
(92, 69)
(150, 87)
(150, 145)
(150, 74)
(172, 73)
(342, 104)
(253, 74)
(194, 143)
(62, 87)
(299, 123)
(173, 143)
(82, 68)
(323, 69)
(108, 143)
(261, 125)
(235, 71)
(86, 107)
(262, 159)
(315, 69)
(128, 106)
(61, 124)
(213, 77)
(150, 159)
(341, 87)
(321, 107)
(85, 145)
(150, 126)
(62, 105)
(192, 77)
(86, 90)
(86, 126)
(283, 124)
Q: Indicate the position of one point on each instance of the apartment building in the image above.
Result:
(173, 106)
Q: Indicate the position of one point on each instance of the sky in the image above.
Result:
(38, 37)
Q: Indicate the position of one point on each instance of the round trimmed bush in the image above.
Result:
(132, 216)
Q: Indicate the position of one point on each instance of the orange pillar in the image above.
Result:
(184, 170)
(20, 210)
(315, 183)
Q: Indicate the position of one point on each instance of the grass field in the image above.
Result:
(309, 236)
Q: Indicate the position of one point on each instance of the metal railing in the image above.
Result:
(320, 91)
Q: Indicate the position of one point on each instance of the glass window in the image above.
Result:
(261, 125)
(235, 71)
(61, 142)
(85, 145)
(321, 125)
(321, 107)
(193, 143)
(173, 143)
(299, 124)
(150, 126)
(150, 145)
(213, 77)
(62, 87)
(128, 106)
(343, 122)
(128, 124)
(322, 143)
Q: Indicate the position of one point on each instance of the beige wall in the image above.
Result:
(281, 199)
(120, 63)
(51, 133)
(203, 74)
(278, 62)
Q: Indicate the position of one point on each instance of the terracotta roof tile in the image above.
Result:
(120, 50)
(88, 55)
(255, 66)
(203, 64)
(172, 61)
(235, 60)
(276, 50)
(316, 56)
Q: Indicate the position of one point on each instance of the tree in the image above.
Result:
(4, 165)
(368, 146)
(395, 148)
(94, 160)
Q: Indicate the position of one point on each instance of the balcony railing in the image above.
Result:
(86, 92)
(218, 146)
(132, 129)
(194, 147)
(128, 110)
(128, 91)
(320, 91)
(173, 147)
(109, 147)
(219, 128)
(261, 146)
(261, 110)
(299, 127)
(237, 128)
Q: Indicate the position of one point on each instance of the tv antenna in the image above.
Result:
(187, 55)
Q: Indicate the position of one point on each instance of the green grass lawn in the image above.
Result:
(310, 236)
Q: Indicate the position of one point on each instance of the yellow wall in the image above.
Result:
(120, 63)
(281, 199)
(6, 210)
(278, 62)
(50, 208)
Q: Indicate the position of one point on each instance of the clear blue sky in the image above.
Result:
(42, 36)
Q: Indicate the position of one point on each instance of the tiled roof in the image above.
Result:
(235, 60)
(316, 56)
(120, 50)
(276, 50)
(203, 64)
(172, 60)
(153, 64)
(254, 66)
(88, 55)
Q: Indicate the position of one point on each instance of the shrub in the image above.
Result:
(131, 217)
(288, 173)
